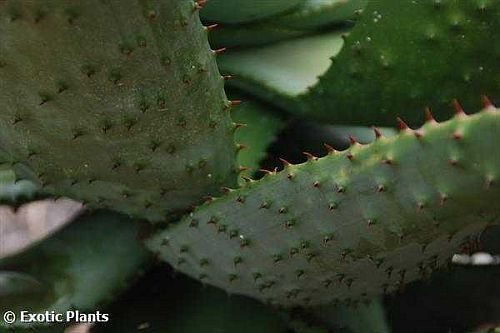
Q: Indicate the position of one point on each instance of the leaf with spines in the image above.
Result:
(318, 14)
(260, 128)
(281, 73)
(305, 136)
(312, 16)
(114, 112)
(351, 224)
(240, 11)
(385, 65)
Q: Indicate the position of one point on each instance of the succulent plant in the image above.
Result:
(122, 107)
(114, 113)
(239, 11)
(312, 16)
(382, 67)
(310, 234)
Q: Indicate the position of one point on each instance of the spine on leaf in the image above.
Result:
(351, 224)
(111, 104)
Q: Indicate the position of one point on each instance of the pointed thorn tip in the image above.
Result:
(428, 115)
(329, 149)
(486, 101)
(377, 132)
(268, 172)
(402, 125)
(285, 162)
(211, 27)
(458, 108)
(239, 125)
(225, 189)
(242, 168)
(309, 156)
(219, 51)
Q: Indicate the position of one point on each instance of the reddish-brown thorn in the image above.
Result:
(329, 149)
(239, 125)
(285, 162)
(290, 176)
(242, 168)
(219, 51)
(486, 101)
(459, 111)
(309, 156)
(401, 124)
(227, 77)
(428, 115)
(211, 27)
(225, 189)
(349, 156)
(377, 132)
(209, 199)
(352, 140)
(381, 188)
(267, 172)
(316, 184)
(387, 161)
(418, 134)
(240, 146)
(234, 102)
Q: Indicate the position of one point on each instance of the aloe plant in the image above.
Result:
(382, 67)
(310, 233)
(114, 113)
(122, 107)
